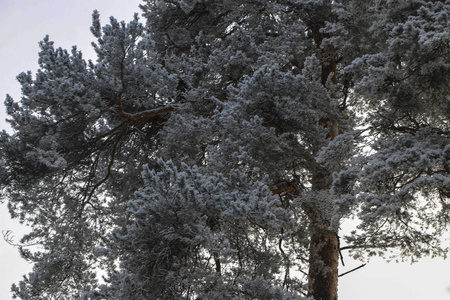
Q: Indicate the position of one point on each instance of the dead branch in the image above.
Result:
(9, 238)
(352, 270)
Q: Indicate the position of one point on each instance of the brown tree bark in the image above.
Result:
(323, 256)
(324, 261)
(324, 245)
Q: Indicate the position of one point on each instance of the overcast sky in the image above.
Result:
(23, 23)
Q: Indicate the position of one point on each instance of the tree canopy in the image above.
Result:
(213, 151)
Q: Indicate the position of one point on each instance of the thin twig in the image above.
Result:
(352, 270)
(8, 237)
(339, 249)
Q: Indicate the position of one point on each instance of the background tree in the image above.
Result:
(213, 152)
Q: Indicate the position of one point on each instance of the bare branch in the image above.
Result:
(367, 247)
(352, 270)
(339, 249)
(9, 238)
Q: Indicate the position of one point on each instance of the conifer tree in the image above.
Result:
(214, 151)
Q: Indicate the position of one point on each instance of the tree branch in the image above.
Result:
(146, 114)
(352, 270)
(366, 247)
(8, 237)
(339, 249)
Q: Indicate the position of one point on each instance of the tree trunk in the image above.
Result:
(323, 247)
(323, 263)
(324, 244)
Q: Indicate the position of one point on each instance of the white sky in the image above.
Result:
(23, 23)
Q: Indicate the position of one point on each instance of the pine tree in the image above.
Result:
(213, 152)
